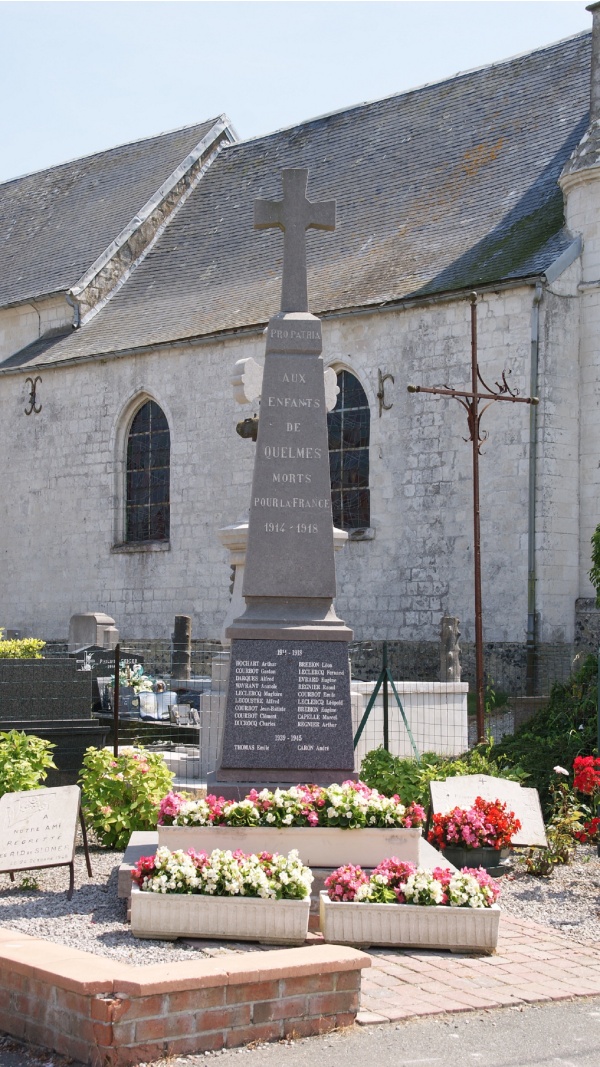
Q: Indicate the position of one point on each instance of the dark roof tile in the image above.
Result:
(443, 188)
(55, 223)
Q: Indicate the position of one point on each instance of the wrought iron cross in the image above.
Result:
(294, 215)
(470, 401)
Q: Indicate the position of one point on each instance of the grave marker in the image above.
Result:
(461, 791)
(38, 828)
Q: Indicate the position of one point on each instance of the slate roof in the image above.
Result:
(450, 186)
(55, 223)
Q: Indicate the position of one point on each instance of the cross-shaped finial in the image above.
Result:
(294, 215)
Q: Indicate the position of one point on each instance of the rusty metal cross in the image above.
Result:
(470, 401)
(294, 215)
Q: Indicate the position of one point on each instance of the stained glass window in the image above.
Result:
(349, 427)
(148, 465)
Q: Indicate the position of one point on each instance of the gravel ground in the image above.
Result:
(95, 920)
(568, 901)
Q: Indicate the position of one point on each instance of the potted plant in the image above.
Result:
(405, 906)
(225, 894)
(479, 836)
(325, 825)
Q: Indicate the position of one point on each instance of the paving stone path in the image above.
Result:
(532, 963)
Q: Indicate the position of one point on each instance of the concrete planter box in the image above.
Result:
(410, 926)
(169, 916)
(318, 846)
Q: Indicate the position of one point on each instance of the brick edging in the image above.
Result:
(111, 1014)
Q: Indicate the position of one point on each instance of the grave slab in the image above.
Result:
(462, 791)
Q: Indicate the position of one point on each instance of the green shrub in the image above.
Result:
(564, 728)
(565, 821)
(27, 648)
(24, 761)
(393, 774)
(123, 794)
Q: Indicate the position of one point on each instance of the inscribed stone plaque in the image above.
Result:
(461, 791)
(38, 827)
(290, 539)
(104, 658)
(288, 706)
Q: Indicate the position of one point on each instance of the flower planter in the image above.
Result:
(495, 861)
(410, 926)
(318, 846)
(172, 915)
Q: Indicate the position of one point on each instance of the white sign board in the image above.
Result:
(38, 827)
(461, 791)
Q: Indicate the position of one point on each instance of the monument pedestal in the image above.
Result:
(288, 716)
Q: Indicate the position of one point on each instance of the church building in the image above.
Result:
(132, 281)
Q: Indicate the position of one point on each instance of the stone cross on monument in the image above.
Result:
(288, 716)
(294, 215)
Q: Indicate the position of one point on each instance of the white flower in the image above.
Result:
(561, 770)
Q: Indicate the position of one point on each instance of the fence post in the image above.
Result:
(386, 721)
(116, 701)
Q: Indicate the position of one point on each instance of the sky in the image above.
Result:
(77, 77)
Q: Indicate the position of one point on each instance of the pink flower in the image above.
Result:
(170, 806)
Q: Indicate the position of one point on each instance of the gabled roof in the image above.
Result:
(447, 187)
(56, 222)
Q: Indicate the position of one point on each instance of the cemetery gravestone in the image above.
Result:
(53, 700)
(461, 791)
(92, 628)
(181, 655)
(38, 829)
(288, 716)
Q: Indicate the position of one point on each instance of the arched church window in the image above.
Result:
(148, 466)
(349, 428)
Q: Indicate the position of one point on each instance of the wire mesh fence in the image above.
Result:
(442, 715)
(73, 700)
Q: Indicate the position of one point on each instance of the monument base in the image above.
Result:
(289, 618)
(232, 788)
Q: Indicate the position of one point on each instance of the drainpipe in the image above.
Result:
(531, 577)
(595, 69)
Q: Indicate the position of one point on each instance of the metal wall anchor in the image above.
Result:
(33, 407)
(381, 380)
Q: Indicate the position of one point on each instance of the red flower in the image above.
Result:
(487, 824)
(586, 770)
(143, 868)
(590, 833)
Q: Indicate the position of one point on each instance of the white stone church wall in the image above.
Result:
(420, 564)
(557, 497)
(582, 202)
(57, 543)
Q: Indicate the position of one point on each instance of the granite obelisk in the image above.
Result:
(288, 713)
